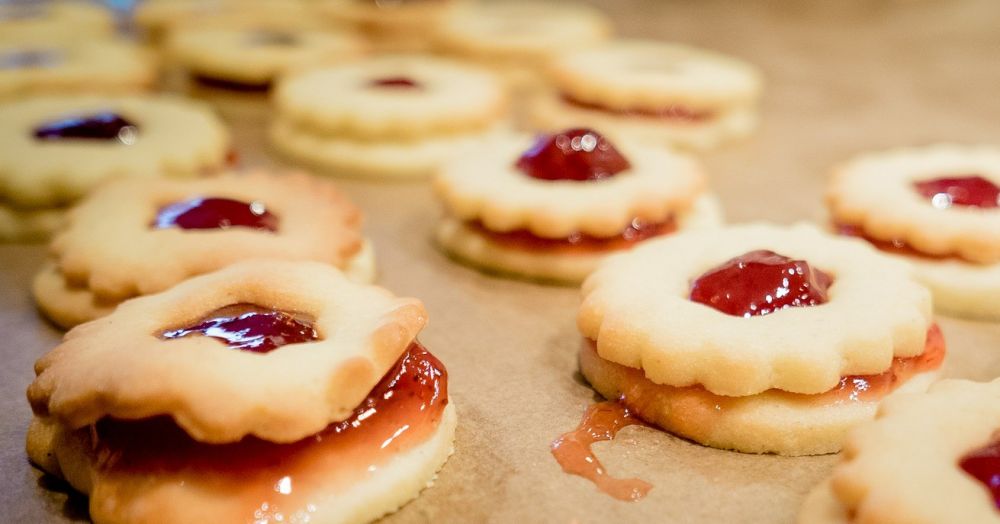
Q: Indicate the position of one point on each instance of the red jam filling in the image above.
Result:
(984, 465)
(676, 113)
(395, 82)
(97, 126)
(253, 476)
(759, 283)
(898, 247)
(250, 328)
(637, 231)
(26, 58)
(575, 154)
(965, 191)
(215, 213)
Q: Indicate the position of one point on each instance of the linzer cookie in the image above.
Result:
(158, 18)
(53, 150)
(136, 236)
(397, 26)
(391, 117)
(551, 208)
(757, 338)
(269, 391)
(254, 56)
(935, 207)
(658, 92)
(54, 21)
(520, 39)
(932, 458)
(90, 67)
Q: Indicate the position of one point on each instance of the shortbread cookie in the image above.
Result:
(257, 55)
(136, 237)
(757, 338)
(54, 21)
(332, 411)
(157, 18)
(935, 207)
(926, 459)
(551, 208)
(54, 150)
(90, 67)
(391, 26)
(520, 39)
(390, 116)
(660, 93)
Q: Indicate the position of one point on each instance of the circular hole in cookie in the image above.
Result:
(216, 213)
(249, 327)
(967, 190)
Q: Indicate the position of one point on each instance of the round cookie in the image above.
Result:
(729, 361)
(901, 201)
(54, 21)
(157, 18)
(668, 94)
(919, 444)
(390, 26)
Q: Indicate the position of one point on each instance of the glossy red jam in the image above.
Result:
(97, 126)
(575, 154)
(637, 231)
(254, 480)
(28, 58)
(675, 113)
(898, 247)
(216, 213)
(395, 82)
(984, 465)
(759, 283)
(250, 328)
(965, 191)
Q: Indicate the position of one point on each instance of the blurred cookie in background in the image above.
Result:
(24, 22)
(390, 25)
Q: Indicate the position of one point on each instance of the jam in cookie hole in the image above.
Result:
(104, 125)
(252, 328)
(216, 213)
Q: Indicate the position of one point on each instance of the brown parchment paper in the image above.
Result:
(842, 77)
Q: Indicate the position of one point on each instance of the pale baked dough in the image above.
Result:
(390, 26)
(64, 454)
(770, 422)
(469, 246)
(636, 308)
(55, 21)
(176, 137)
(453, 98)
(388, 159)
(241, 55)
(364, 330)
(874, 192)
(904, 466)
(484, 184)
(157, 18)
(89, 67)
(29, 225)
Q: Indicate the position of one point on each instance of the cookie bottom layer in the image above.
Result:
(64, 454)
(368, 158)
(769, 422)
(960, 288)
(35, 225)
(469, 246)
(67, 306)
(552, 113)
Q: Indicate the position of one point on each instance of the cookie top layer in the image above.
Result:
(647, 75)
(111, 247)
(636, 308)
(483, 183)
(174, 137)
(47, 22)
(387, 16)
(393, 97)
(158, 17)
(876, 193)
(913, 449)
(121, 366)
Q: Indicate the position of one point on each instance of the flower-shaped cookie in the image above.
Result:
(269, 388)
(734, 337)
(658, 92)
(937, 208)
(47, 22)
(926, 459)
(136, 237)
(552, 207)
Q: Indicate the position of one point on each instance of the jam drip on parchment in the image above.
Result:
(575, 154)
(984, 465)
(251, 328)
(215, 213)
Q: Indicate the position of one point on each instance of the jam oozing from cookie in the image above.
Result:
(637, 231)
(575, 154)
(601, 421)
(216, 213)
(29, 58)
(984, 465)
(395, 82)
(250, 328)
(104, 125)
(760, 283)
(258, 481)
(963, 191)
(674, 113)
